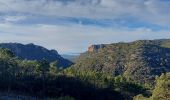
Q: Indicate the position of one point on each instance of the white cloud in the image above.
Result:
(13, 18)
(73, 38)
(155, 11)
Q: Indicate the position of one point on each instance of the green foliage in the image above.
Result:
(140, 97)
(161, 91)
(120, 84)
(162, 88)
(28, 67)
(5, 53)
(138, 61)
(53, 68)
(166, 44)
(35, 78)
(35, 52)
(42, 66)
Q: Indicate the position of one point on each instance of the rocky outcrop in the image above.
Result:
(95, 48)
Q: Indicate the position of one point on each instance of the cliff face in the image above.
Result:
(95, 48)
(35, 52)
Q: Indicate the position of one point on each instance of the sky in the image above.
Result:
(70, 26)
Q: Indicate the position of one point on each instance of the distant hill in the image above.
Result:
(35, 52)
(138, 61)
(70, 57)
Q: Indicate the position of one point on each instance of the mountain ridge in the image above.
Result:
(35, 52)
(140, 60)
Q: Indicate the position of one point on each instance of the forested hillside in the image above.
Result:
(35, 52)
(138, 61)
(43, 80)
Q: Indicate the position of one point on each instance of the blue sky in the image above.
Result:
(70, 26)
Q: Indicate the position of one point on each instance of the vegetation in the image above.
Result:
(37, 78)
(161, 91)
(126, 88)
(123, 71)
(138, 61)
(35, 52)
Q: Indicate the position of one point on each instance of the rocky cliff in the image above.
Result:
(95, 48)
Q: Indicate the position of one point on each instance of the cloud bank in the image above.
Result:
(72, 25)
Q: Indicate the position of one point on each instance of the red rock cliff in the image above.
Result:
(95, 48)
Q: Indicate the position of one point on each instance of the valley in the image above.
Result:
(118, 71)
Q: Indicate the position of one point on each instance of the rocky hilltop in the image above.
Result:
(139, 60)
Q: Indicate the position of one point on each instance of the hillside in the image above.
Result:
(139, 61)
(39, 80)
(161, 90)
(91, 78)
(35, 52)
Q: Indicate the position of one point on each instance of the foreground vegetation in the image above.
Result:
(44, 80)
(161, 91)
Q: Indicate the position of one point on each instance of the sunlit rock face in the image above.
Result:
(95, 48)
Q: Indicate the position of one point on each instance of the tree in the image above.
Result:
(161, 91)
(53, 67)
(42, 67)
(6, 53)
(162, 88)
